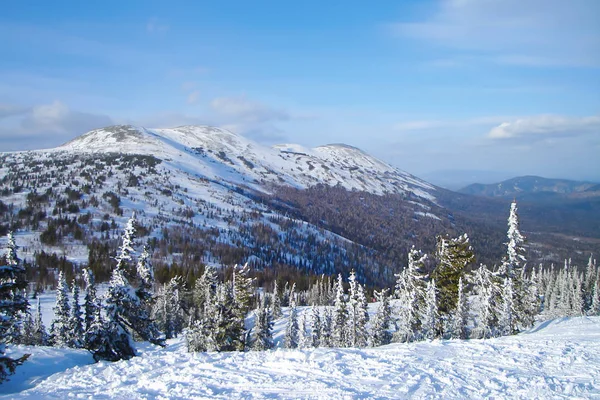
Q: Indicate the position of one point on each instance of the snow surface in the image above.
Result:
(556, 359)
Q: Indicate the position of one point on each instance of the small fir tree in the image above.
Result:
(340, 320)
(61, 326)
(91, 308)
(291, 332)
(316, 329)
(460, 315)
(40, 336)
(506, 319)
(76, 328)
(453, 257)
(276, 302)
(430, 318)
(263, 328)
(145, 273)
(381, 322)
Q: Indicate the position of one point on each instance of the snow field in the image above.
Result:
(556, 359)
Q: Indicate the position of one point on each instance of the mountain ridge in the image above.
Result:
(528, 185)
(198, 146)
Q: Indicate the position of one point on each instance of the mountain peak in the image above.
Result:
(218, 154)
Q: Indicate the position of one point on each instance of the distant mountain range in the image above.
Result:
(535, 188)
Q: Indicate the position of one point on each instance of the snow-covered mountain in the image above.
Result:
(230, 199)
(206, 195)
(218, 154)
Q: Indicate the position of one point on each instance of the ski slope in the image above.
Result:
(556, 359)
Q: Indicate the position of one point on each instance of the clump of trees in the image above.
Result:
(454, 300)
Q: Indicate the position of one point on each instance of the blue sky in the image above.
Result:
(488, 85)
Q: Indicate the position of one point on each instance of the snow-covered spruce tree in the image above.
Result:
(326, 329)
(353, 312)
(201, 335)
(595, 307)
(430, 317)
(285, 295)
(205, 289)
(26, 335)
(513, 267)
(123, 305)
(362, 337)
(453, 256)
(292, 295)
(276, 301)
(339, 330)
(530, 300)
(315, 327)
(381, 322)
(76, 328)
(460, 314)
(91, 308)
(263, 328)
(591, 275)
(304, 337)
(484, 304)
(229, 333)
(114, 341)
(243, 288)
(410, 290)
(578, 302)
(13, 304)
(60, 329)
(167, 311)
(14, 286)
(40, 336)
(145, 273)
(515, 255)
(506, 318)
(291, 338)
(127, 251)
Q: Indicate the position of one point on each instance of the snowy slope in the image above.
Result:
(557, 359)
(218, 154)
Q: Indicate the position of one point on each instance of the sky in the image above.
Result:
(504, 86)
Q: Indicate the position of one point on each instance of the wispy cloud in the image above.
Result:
(441, 124)
(543, 127)
(526, 33)
(53, 123)
(250, 118)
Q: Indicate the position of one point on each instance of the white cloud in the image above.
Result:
(58, 118)
(48, 125)
(249, 117)
(420, 125)
(528, 33)
(546, 127)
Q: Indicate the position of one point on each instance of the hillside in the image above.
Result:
(559, 358)
(204, 195)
